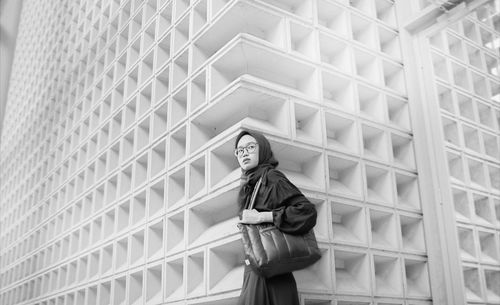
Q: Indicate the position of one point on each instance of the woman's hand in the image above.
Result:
(255, 217)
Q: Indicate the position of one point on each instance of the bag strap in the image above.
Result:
(254, 193)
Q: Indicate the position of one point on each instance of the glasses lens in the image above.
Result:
(251, 148)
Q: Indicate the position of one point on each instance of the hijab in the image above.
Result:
(266, 161)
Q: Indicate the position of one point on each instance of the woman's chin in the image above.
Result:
(247, 166)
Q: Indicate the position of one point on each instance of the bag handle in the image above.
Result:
(254, 193)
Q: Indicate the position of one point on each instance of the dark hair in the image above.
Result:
(266, 162)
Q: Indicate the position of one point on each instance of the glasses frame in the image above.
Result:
(246, 149)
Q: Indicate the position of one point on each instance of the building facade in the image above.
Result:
(118, 177)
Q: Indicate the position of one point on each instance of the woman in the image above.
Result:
(278, 201)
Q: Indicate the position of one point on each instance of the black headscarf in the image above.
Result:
(266, 161)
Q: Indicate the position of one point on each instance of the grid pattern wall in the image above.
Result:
(466, 60)
(118, 175)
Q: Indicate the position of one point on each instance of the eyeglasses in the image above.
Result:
(250, 148)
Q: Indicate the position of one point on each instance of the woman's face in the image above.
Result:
(248, 160)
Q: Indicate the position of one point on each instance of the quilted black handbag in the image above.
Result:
(271, 252)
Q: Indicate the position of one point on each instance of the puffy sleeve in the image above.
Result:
(292, 212)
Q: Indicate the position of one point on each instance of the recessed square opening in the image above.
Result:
(158, 158)
(176, 185)
(456, 47)
(174, 277)
(455, 167)
(388, 279)
(197, 174)
(141, 170)
(489, 247)
(345, 176)
(407, 190)
(313, 277)
(460, 76)
(177, 146)
(492, 278)
(175, 233)
(368, 67)
(228, 170)
(476, 173)
(372, 103)
(154, 285)
(383, 229)
(394, 77)
(144, 100)
(180, 69)
(386, 12)
(195, 274)
(248, 106)
(213, 219)
(472, 284)
(181, 33)
(164, 19)
(440, 67)
(417, 278)
(200, 16)
(341, 133)
(389, 42)
(253, 61)
(471, 138)
(304, 167)
(375, 143)
(245, 18)
(156, 198)
(136, 282)
(338, 91)
(119, 290)
(198, 92)
(412, 232)
(398, 112)
(467, 244)
(126, 180)
(461, 203)
(162, 85)
(402, 151)
(156, 237)
(363, 30)
(483, 210)
(351, 269)
(159, 124)
(228, 275)
(332, 17)
(348, 223)
(307, 123)
(450, 130)
(138, 208)
(146, 68)
(137, 247)
(302, 40)
(178, 106)
(379, 185)
(142, 135)
(335, 52)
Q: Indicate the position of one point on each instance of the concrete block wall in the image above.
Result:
(466, 60)
(118, 174)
